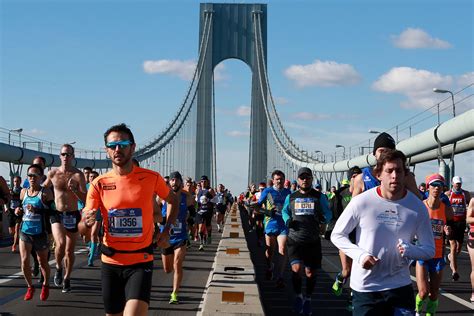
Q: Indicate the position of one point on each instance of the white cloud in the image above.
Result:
(466, 79)
(281, 101)
(183, 69)
(416, 84)
(322, 73)
(413, 38)
(308, 116)
(35, 132)
(237, 134)
(243, 110)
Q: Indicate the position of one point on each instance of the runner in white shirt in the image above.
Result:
(386, 219)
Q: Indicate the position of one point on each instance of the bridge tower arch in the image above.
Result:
(231, 36)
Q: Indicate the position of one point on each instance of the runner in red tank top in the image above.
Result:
(459, 200)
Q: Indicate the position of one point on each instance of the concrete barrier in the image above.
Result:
(232, 289)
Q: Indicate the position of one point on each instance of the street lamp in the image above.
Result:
(343, 152)
(452, 97)
(316, 154)
(14, 130)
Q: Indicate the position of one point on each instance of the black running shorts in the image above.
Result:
(308, 254)
(123, 283)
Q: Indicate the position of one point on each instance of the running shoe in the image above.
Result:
(201, 247)
(174, 298)
(58, 277)
(280, 283)
(338, 285)
(455, 276)
(66, 286)
(298, 306)
(44, 292)
(307, 310)
(29, 293)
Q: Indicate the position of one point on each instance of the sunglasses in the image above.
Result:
(121, 144)
(66, 154)
(32, 175)
(305, 177)
(436, 184)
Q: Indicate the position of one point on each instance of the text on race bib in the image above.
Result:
(304, 206)
(125, 222)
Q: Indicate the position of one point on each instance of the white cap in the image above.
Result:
(457, 179)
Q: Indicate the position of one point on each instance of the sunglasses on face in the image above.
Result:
(436, 184)
(33, 175)
(66, 154)
(121, 144)
(305, 177)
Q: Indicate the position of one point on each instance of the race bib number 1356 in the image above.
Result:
(125, 222)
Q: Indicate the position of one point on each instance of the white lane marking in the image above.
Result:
(441, 291)
(19, 275)
(451, 296)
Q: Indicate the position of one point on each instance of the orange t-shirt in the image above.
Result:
(126, 205)
(438, 220)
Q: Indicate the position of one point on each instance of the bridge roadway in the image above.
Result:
(85, 297)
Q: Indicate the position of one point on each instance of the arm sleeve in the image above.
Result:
(340, 234)
(286, 211)
(325, 208)
(161, 189)
(263, 197)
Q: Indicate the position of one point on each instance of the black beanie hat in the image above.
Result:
(384, 140)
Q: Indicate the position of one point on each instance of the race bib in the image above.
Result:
(69, 220)
(31, 223)
(459, 210)
(437, 226)
(304, 206)
(178, 227)
(125, 222)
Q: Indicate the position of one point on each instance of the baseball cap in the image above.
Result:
(436, 177)
(305, 170)
(345, 182)
(384, 140)
(204, 178)
(176, 175)
(317, 186)
(457, 179)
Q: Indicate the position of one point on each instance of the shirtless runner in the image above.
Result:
(69, 188)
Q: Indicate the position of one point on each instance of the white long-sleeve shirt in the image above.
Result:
(379, 223)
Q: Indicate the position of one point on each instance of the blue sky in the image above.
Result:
(70, 69)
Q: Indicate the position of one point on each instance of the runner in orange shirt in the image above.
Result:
(124, 196)
(432, 269)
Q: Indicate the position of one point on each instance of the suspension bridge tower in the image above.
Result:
(232, 35)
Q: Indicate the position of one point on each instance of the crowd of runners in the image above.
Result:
(380, 220)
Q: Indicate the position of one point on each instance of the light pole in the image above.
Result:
(447, 171)
(15, 130)
(452, 98)
(343, 152)
(316, 154)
